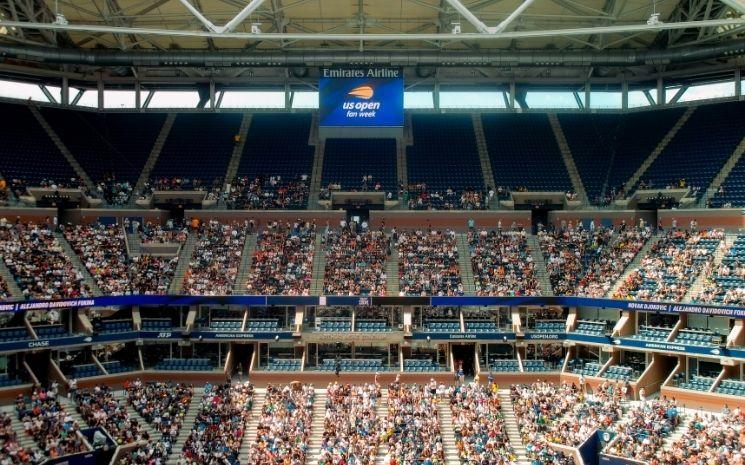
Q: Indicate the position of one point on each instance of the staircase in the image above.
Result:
(540, 265)
(133, 244)
(153, 157)
(67, 250)
(723, 173)
(402, 170)
(319, 267)
(184, 257)
(633, 266)
(235, 159)
(698, 284)
(241, 278)
(317, 173)
(381, 412)
(448, 432)
(252, 425)
(71, 408)
(566, 154)
(391, 272)
(464, 264)
(186, 425)
(79, 171)
(317, 426)
(24, 440)
(7, 276)
(478, 129)
(677, 433)
(510, 425)
(658, 150)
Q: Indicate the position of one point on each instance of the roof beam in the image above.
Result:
(737, 5)
(470, 17)
(614, 29)
(518, 11)
(230, 26)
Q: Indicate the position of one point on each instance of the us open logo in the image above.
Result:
(361, 106)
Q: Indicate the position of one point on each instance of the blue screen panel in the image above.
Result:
(361, 97)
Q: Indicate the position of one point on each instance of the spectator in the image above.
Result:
(216, 258)
(428, 263)
(355, 262)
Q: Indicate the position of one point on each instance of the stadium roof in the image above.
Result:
(590, 36)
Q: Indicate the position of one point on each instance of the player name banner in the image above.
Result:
(361, 97)
(264, 301)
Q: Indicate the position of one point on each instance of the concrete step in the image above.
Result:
(252, 424)
(77, 263)
(184, 257)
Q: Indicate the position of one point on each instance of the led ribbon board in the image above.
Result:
(361, 97)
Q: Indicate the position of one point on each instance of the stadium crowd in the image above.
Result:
(411, 428)
(99, 407)
(502, 264)
(36, 259)
(355, 261)
(641, 435)
(587, 262)
(428, 262)
(217, 255)
(284, 426)
(218, 429)
(421, 198)
(480, 432)
(350, 426)
(47, 422)
(272, 193)
(671, 265)
(709, 439)
(162, 404)
(11, 451)
(283, 259)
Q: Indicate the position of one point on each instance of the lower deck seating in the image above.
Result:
(114, 326)
(181, 364)
(550, 326)
(420, 365)
(284, 364)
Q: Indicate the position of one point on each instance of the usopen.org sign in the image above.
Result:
(361, 97)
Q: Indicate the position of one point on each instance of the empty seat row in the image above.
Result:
(114, 327)
(116, 367)
(535, 365)
(595, 328)
(698, 338)
(338, 326)
(284, 364)
(352, 364)
(588, 369)
(50, 331)
(261, 325)
(7, 381)
(374, 326)
(732, 387)
(226, 325)
(86, 371)
(180, 364)
(652, 333)
(442, 326)
(14, 334)
(504, 365)
(421, 365)
(550, 326)
(618, 372)
(481, 326)
(155, 325)
(698, 383)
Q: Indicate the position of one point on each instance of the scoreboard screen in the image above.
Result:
(361, 97)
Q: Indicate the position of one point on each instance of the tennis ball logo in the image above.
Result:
(363, 92)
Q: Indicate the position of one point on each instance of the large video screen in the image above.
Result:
(361, 97)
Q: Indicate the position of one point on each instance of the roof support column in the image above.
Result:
(625, 94)
(99, 86)
(65, 92)
(588, 88)
(212, 94)
(738, 84)
(660, 91)
(138, 95)
(512, 94)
